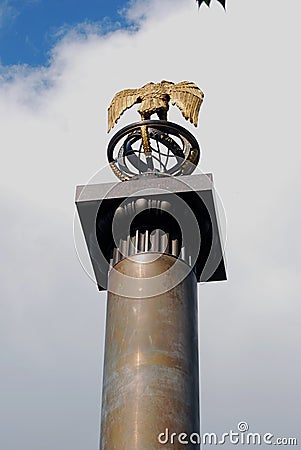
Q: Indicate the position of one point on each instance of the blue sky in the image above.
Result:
(28, 28)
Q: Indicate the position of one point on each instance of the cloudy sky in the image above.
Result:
(61, 64)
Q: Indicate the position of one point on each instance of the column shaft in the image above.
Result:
(151, 375)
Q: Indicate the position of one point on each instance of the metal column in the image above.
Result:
(150, 239)
(151, 374)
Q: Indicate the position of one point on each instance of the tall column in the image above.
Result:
(150, 239)
(151, 374)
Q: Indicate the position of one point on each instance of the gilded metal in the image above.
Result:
(151, 375)
(147, 147)
(154, 99)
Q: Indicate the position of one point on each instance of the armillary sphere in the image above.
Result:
(171, 150)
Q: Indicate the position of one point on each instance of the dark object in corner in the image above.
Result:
(222, 2)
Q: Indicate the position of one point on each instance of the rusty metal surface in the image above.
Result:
(151, 360)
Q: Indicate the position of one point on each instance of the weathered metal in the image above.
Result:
(151, 377)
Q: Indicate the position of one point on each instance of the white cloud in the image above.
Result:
(53, 136)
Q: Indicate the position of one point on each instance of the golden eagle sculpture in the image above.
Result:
(154, 98)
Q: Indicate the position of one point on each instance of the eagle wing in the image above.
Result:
(188, 98)
(122, 101)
